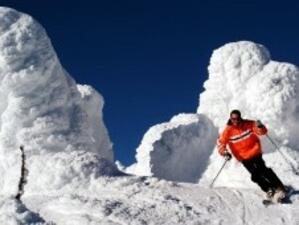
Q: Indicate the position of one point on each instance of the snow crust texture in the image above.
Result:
(42, 108)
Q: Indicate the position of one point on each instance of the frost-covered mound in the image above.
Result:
(178, 150)
(242, 76)
(42, 108)
(67, 171)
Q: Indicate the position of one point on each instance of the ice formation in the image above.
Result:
(42, 108)
(178, 150)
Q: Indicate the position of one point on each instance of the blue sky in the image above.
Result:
(149, 58)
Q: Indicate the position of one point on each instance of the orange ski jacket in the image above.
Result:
(242, 139)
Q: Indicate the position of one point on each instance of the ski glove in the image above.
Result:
(227, 156)
(259, 124)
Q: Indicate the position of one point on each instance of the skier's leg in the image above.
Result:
(276, 184)
(257, 177)
(268, 174)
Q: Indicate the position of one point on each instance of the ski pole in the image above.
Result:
(24, 173)
(223, 165)
(295, 171)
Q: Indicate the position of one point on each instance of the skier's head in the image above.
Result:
(235, 117)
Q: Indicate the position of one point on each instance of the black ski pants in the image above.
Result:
(262, 175)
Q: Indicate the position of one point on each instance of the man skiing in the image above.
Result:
(241, 136)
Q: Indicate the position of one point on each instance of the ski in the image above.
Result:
(286, 200)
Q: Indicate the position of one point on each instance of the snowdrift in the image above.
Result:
(178, 150)
(42, 108)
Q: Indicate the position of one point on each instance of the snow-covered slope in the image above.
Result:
(42, 108)
(140, 201)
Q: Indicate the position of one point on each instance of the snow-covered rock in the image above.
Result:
(42, 108)
(178, 150)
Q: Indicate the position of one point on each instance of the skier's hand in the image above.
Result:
(227, 156)
(259, 124)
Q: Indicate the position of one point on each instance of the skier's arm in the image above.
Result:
(222, 141)
(259, 128)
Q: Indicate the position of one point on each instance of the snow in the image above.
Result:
(72, 177)
(178, 150)
(42, 108)
(146, 200)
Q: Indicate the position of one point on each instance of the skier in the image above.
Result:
(241, 136)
